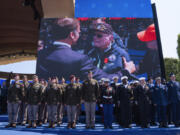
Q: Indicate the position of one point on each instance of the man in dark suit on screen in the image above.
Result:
(60, 60)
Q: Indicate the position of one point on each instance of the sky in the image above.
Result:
(169, 25)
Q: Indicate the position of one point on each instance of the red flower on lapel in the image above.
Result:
(106, 60)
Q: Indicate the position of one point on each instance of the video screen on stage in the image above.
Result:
(106, 46)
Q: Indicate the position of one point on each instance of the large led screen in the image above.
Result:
(106, 46)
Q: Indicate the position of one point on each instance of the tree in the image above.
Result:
(172, 65)
(178, 47)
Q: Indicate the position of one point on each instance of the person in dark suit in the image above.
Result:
(61, 61)
(174, 99)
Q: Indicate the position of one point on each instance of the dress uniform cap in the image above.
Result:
(142, 78)
(102, 79)
(158, 78)
(106, 80)
(171, 74)
(115, 77)
(124, 77)
(136, 81)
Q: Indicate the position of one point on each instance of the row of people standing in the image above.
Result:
(136, 101)
(30, 99)
(147, 103)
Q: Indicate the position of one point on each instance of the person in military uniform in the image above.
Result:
(22, 116)
(124, 96)
(107, 55)
(4, 91)
(80, 99)
(115, 85)
(53, 98)
(14, 99)
(72, 100)
(101, 85)
(131, 84)
(136, 105)
(60, 110)
(153, 108)
(42, 107)
(142, 99)
(107, 99)
(169, 112)
(90, 95)
(34, 97)
(174, 99)
(45, 120)
(45, 114)
(161, 101)
(49, 81)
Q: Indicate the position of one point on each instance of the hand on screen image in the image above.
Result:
(130, 66)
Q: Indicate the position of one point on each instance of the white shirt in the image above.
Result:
(61, 43)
